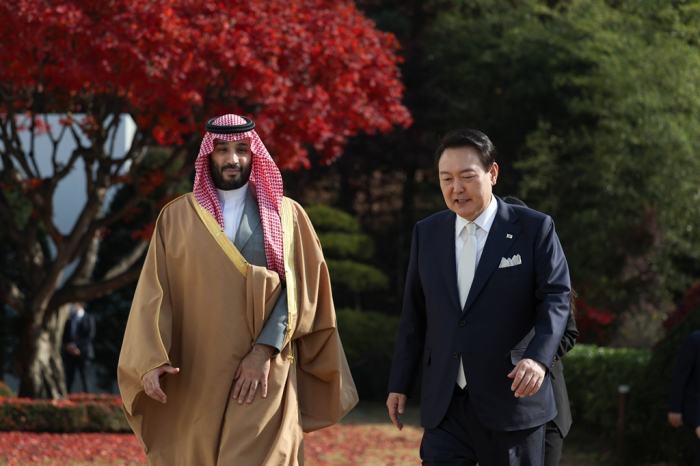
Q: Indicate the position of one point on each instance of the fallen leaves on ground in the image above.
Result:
(346, 445)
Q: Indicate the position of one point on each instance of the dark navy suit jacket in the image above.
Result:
(503, 305)
(685, 384)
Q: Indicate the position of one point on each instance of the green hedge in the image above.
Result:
(592, 378)
(6, 391)
(368, 340)
(80, 413)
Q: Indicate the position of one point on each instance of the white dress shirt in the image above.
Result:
(483, 225)
(232, 203)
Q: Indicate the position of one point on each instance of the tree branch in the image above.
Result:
(88, 259)
(12, 295)
(95, 290)
(127, 261)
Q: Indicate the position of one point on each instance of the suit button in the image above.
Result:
(455, 355)
(462, 323)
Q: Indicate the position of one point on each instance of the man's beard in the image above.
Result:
(217, 175)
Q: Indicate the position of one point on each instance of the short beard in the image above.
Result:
(217, 176)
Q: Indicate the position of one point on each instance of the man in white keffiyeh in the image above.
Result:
(234, 296)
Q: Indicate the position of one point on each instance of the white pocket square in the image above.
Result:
(515, 260)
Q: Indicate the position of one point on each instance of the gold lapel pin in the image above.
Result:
(509, 236)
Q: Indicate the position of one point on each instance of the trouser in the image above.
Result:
(694, 441)
(82, 365)
(553, 443)
(461, 440)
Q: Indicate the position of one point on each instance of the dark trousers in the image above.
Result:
(694, 441)
(82, 365)
(461, 440)
(553, 443)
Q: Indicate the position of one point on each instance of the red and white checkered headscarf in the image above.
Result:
(264, 176)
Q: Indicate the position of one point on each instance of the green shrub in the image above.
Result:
(80, 413)
(650, 437)
(355, 276)
(368, 340)
(5, 391)
(326, 218)
(592, 378)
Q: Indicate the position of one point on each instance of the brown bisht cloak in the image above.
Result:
(199, 306)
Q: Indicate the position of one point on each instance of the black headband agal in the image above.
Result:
(212, 128)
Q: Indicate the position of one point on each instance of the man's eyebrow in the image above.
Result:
(238, 143)
(443, 172)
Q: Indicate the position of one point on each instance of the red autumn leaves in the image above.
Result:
(338, 446)
(310, 72)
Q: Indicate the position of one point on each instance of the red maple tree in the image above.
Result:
(311, 73)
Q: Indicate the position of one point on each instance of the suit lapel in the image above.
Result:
(497, 244)
(249, 221)
(448, 264)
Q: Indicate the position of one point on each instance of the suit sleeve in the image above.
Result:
(412, 326)
(274, 331)
(569, 339)
(687, 357)
(552, 291)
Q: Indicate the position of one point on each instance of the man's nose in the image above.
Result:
(459, 186)
(233, 158)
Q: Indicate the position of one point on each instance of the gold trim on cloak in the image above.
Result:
(288, 242)
(289, 268)
(220, 236)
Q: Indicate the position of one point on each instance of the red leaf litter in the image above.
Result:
(27, 448)
(348, 444)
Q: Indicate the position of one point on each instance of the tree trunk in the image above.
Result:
(38, 358)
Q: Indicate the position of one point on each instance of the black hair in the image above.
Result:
(513, 200)
(469, 138)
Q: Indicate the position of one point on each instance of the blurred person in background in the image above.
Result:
(683, 407)
(78, 350)
(557, 428)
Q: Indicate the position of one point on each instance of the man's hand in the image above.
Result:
(396, 404)
(72, 349)
(675, 419)
(529, 375)
(151, 382)
(253, 371)
(697, 431)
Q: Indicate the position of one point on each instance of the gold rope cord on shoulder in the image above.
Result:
(289, 267)
(220, 236)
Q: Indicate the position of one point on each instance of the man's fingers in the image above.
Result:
(518, 378)
(530, 385)
(160, 395)
(537, 387)
(238, 373)
(244, 391)
(402, 404)
(396, 404)
(252, 391)
(237, 388)
(394, 417)
(263, 388)
(523, 386)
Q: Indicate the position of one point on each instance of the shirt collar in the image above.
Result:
(232, 194)
(483, 221)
